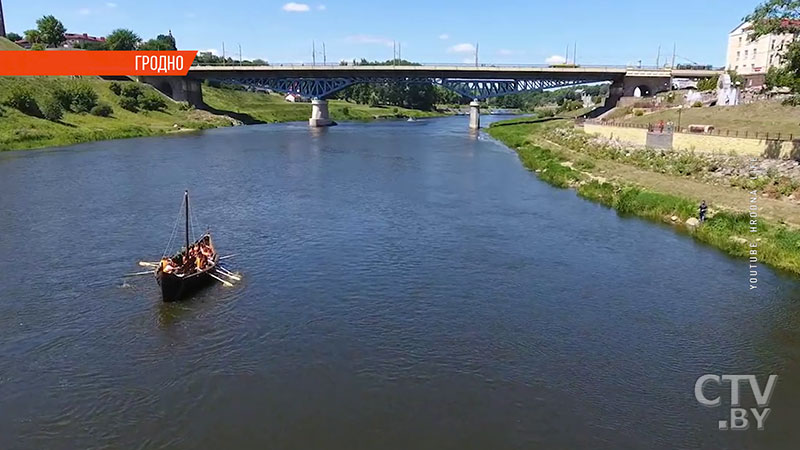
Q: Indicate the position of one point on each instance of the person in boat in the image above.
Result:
(167, 265)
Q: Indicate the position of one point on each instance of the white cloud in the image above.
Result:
(444, 36)
(462, 48)
(321, 8)
(84, 11)
(296, 7)
(111, 4)
(365, 39)
(556, 59)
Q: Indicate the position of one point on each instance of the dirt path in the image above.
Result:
(723, 197)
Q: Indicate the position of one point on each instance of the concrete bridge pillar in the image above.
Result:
(319, 114)
(474, 115)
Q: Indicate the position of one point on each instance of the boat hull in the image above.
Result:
(175, 288)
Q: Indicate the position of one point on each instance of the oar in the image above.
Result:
(225, 269)
(226, 257)
(136, 274)
(232, 277)
(148, 264)
(224, 283)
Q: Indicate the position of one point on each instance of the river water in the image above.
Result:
(406, 285)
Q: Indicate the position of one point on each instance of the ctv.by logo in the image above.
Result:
(738, 419)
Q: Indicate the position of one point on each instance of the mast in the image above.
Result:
(186, 200)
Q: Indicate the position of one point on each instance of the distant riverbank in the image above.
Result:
(625, 189)
(226, 107)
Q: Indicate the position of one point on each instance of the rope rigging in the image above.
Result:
(174, 230)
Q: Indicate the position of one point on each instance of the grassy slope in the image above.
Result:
(273, 108)
(779, 245)
(5, 44)
(20, 131)
(762, 117)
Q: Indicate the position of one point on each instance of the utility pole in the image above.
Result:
(240, 54)
(2, 21)
(575, 53)
(223, 52)
(567, 55)
(658, 57)
(313, 53)
(394, 52)
(324, 54)
(400, 51)
(674, 49)
(476, 54)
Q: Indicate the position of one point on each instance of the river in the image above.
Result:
(406, 285)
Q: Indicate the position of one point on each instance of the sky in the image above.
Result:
(505, 31)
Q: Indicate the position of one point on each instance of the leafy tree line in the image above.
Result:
(570, 97)
(408, 95)
(50, 33)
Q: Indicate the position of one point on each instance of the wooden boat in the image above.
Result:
(177, 285)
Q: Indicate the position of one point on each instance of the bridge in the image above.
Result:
(318, 82)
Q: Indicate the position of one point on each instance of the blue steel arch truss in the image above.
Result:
(470, 88)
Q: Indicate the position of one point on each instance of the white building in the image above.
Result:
(752, 59)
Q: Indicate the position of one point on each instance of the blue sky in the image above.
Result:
(530, 32)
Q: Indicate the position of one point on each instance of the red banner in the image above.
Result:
(76, 62)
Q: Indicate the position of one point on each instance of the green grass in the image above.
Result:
(761, 117)
(779, 245)
(5, 44)
(273, 108)
(20, 131)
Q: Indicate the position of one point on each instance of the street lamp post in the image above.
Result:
(2, 22)
(680, 110)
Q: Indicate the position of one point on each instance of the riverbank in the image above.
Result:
(658, 196)
(19, 131)
(227, 107)
(271, 108)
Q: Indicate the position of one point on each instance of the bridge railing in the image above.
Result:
(466, 65)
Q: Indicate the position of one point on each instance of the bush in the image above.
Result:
(52, 110)
(185, 106)
(23, 100)
(77, 97)
(794, 100)
(638, 112)
(153, 102)
(129, 103)
(102, 110)
(115, 87)
(697, 104)
(131, 90)
(84, 98)
(346, 111)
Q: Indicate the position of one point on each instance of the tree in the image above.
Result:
(33, 36)
(122, 39)
(51, 31)
(160, 43)
(13, 37)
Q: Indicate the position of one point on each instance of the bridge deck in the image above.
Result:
(599, 73)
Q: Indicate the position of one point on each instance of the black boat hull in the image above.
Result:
(175, 288)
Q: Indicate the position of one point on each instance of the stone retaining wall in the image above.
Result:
(704, 143)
